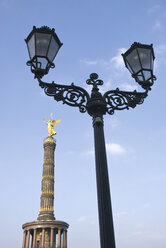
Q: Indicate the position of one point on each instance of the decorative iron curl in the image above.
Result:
(93, 80)
(119, 100)
(71, 95)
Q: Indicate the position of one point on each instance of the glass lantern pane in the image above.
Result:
(133, 61)
(53, 49)
(129, 68)
(42, 63)
(42, 44)
(147, 75)
(31, 46)
(151, 61)
(140, 78)
(145, 56)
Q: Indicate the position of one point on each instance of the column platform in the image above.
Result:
(45, 234)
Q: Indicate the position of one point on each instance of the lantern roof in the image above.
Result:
(44, 29)
(136, 45)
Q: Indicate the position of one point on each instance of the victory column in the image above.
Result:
(46, 232)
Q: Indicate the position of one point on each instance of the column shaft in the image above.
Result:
(47, 189)
(24, 240)
(34, 238)
(64, 238)
(54, 246)
(27, 239)
(52, 238)
(59, 238)
(43, 234)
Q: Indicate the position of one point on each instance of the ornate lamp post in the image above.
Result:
(43, 45)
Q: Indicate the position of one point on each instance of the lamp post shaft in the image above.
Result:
(107, 239)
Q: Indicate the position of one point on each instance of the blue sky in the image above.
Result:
(94, 34)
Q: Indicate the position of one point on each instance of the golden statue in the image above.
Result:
(51, 123)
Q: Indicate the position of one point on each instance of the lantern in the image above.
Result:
(139, 60)
(43, 45)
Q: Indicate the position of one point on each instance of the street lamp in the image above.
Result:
(43, 45)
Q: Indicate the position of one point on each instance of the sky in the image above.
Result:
(94, 34)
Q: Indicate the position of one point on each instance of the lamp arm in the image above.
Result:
(71, 95)
(119, 100)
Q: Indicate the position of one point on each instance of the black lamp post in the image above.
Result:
(43, 45)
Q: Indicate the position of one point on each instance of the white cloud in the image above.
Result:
(120, 214)
(93, 222)
(154, 8)
(115, 149)
(100, 62)
(128, 87)
(42, 93)
(90, 152)
(161, 54)
(114, 122)
(112, 148)
(87, 219)
(70, 152)
(106, 86)
(158, 25)
(159, 236)
(89, 62)
(118, 59)
(151, 235)
(161, 49)
(136, 233)
(82, 219)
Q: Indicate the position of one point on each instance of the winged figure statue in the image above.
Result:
(51, 123)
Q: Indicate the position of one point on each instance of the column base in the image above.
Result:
(50, 237)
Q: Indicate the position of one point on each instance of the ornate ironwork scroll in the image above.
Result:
(119, 100)
(76, 96)
(71, 95)
(93, 80)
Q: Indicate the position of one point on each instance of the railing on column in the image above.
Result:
(46, 245)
